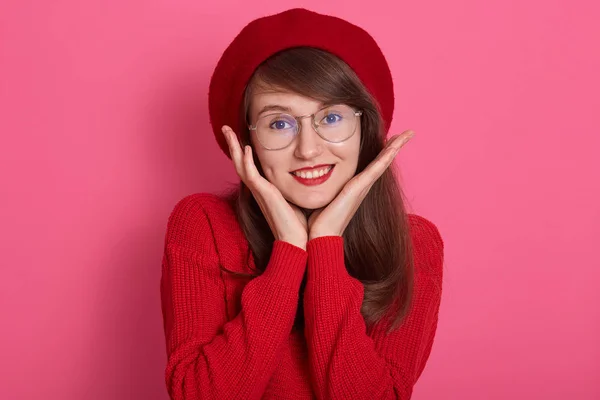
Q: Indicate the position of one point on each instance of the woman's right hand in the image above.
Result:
(287, 222)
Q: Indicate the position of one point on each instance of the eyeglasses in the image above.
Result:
(334, 124)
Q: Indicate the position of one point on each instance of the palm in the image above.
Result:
(333, 219)
(300, 215)
(286, 223)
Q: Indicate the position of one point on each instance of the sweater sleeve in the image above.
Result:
(208, 356)
(345, 361)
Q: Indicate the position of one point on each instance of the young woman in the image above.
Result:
(310, 280)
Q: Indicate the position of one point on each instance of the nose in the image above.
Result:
(308, 143)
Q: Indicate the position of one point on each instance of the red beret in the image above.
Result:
(297, 27)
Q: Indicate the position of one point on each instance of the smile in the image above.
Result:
(314, 176)
(313, 173)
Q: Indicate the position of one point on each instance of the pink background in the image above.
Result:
(103, 117)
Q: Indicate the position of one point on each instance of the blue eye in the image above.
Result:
(331, 119)
(280, 125)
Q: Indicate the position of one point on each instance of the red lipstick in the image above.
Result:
(313, 167)
(314, 181)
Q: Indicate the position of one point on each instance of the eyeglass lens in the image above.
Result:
(333, 123)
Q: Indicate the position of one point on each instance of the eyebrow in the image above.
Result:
(273, 107)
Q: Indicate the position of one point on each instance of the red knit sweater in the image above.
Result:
(232, 338)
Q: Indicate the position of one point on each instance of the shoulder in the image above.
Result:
(427, 242)
(425, 232)
(199, 217)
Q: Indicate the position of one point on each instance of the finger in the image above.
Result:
(234, 150)
(390, 149)
(226, 133)
(253, 177)
(398, 141)
(230, 138)
(378, 166)
(385, 158)
(395, 143)
(233, 142)
(249, 166)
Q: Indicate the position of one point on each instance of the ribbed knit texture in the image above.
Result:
(231, 337)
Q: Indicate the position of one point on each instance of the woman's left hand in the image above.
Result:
(333, 219)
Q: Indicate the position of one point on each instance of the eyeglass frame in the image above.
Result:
(357, 113)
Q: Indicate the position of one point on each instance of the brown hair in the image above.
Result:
(377, 245)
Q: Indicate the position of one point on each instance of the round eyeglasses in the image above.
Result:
(335, 124)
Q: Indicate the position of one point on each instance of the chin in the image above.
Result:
(312, 202)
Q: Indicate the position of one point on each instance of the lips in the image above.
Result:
(312, 168)
(313, 176)
(313, 172)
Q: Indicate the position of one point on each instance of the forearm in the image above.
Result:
(237, 360)
(344, 360)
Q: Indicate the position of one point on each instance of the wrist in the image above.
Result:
(300, 243)
(317, 235)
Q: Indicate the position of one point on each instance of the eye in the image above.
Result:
(331, 118)
(280, 124)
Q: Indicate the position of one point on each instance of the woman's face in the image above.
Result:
(308, 150)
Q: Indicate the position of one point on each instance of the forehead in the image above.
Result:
(296, 103)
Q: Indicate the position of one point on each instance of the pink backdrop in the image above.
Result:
(104, 128)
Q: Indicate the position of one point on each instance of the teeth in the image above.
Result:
(312, 174)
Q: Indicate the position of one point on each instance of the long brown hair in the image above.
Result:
(377, 245)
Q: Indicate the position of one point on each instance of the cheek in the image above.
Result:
(353, 148)
(260, 156)
(354, 152)
(349, 152)
(270, 163)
